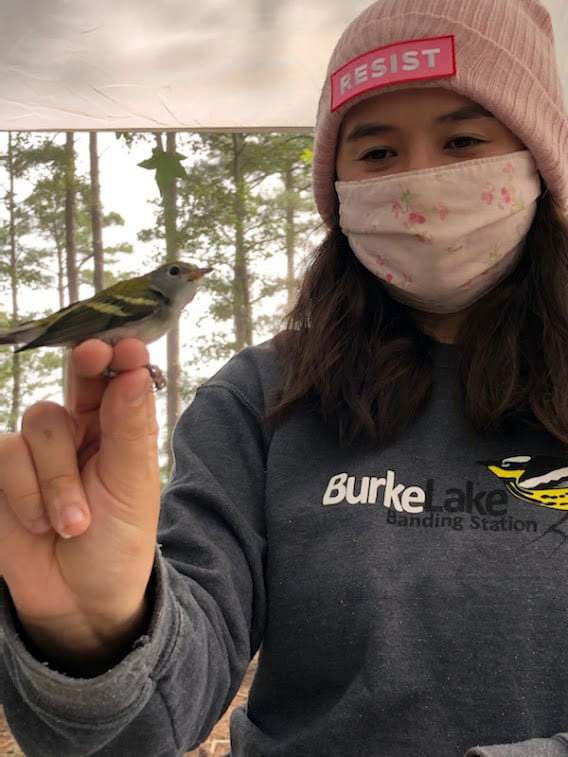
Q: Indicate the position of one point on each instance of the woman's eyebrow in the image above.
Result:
(462, 114)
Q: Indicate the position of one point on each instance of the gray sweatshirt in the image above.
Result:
(409, 602)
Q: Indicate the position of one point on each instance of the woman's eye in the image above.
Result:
(463, 143)
(377, 154)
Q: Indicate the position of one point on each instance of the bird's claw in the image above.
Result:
(110, 372)
(158, 378)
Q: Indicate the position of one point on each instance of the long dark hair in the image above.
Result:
(356, 356)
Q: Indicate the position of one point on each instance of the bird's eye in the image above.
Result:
(174, 270)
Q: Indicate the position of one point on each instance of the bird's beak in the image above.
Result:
(196, 274)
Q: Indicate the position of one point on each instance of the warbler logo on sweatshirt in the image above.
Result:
(533, 480)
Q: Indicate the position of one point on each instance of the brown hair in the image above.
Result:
(356, 357)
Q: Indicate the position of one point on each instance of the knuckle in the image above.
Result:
(26, 506)
(7, 439)
(136, 430)
(26, 503)
(9, 445)
(14, 459)
(40, 415)
(56, 485)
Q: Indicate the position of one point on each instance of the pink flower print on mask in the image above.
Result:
(506, 195)
(507, 198)
(417, 214)
(395, 209)
(443, 211)
(487, 194)
(379, 263)
(415, 217)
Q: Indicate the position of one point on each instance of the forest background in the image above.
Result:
(80, 211)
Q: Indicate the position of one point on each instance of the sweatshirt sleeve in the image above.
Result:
(557, 746)
(208, 614)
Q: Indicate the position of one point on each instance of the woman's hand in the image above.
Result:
(79, 504)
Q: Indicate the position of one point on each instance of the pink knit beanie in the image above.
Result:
(499, 53)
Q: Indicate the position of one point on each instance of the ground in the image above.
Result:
(8, 747)
(216, 745)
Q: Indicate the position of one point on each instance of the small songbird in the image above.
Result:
(144, 307)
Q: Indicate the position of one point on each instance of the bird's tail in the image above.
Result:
(18, 334)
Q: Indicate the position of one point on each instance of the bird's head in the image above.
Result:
(178, 281)
(510, 467)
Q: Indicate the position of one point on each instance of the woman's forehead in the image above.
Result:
(406, 99)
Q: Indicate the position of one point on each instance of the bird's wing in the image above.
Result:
(88, 318)
(555, 478)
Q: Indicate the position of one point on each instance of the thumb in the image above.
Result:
(128, 453)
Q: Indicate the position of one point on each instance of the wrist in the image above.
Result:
(85, 647)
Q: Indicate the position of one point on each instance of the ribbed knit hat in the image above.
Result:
(502, 52)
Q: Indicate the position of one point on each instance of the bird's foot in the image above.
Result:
(158, 378)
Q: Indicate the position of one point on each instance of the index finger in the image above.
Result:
(84, 380)
(85, 383)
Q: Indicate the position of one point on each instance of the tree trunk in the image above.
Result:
(61, 295)
(172, 253)
(96, 214)
(16, 364)
(291, 285)
(242, 314)
(70, 201)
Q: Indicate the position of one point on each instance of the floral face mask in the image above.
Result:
(440, 238)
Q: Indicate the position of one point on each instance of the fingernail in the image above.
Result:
(71, 516)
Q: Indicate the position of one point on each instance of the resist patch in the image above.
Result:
(413, 60)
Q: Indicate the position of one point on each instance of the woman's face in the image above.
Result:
(417, 128)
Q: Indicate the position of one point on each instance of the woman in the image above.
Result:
(376, 497)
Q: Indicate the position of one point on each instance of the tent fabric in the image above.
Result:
(136, 64)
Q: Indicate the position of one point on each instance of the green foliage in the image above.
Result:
(167, 166)
(32, 247)
(39, 155)
(40, 377)
(248, 185)
(46, 206)
(244, 203)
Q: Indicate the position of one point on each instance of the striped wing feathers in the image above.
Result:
(107, 310)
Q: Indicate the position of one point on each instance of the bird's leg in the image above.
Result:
(110, 372)
(158, 378)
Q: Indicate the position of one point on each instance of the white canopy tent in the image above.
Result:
(142, 64)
